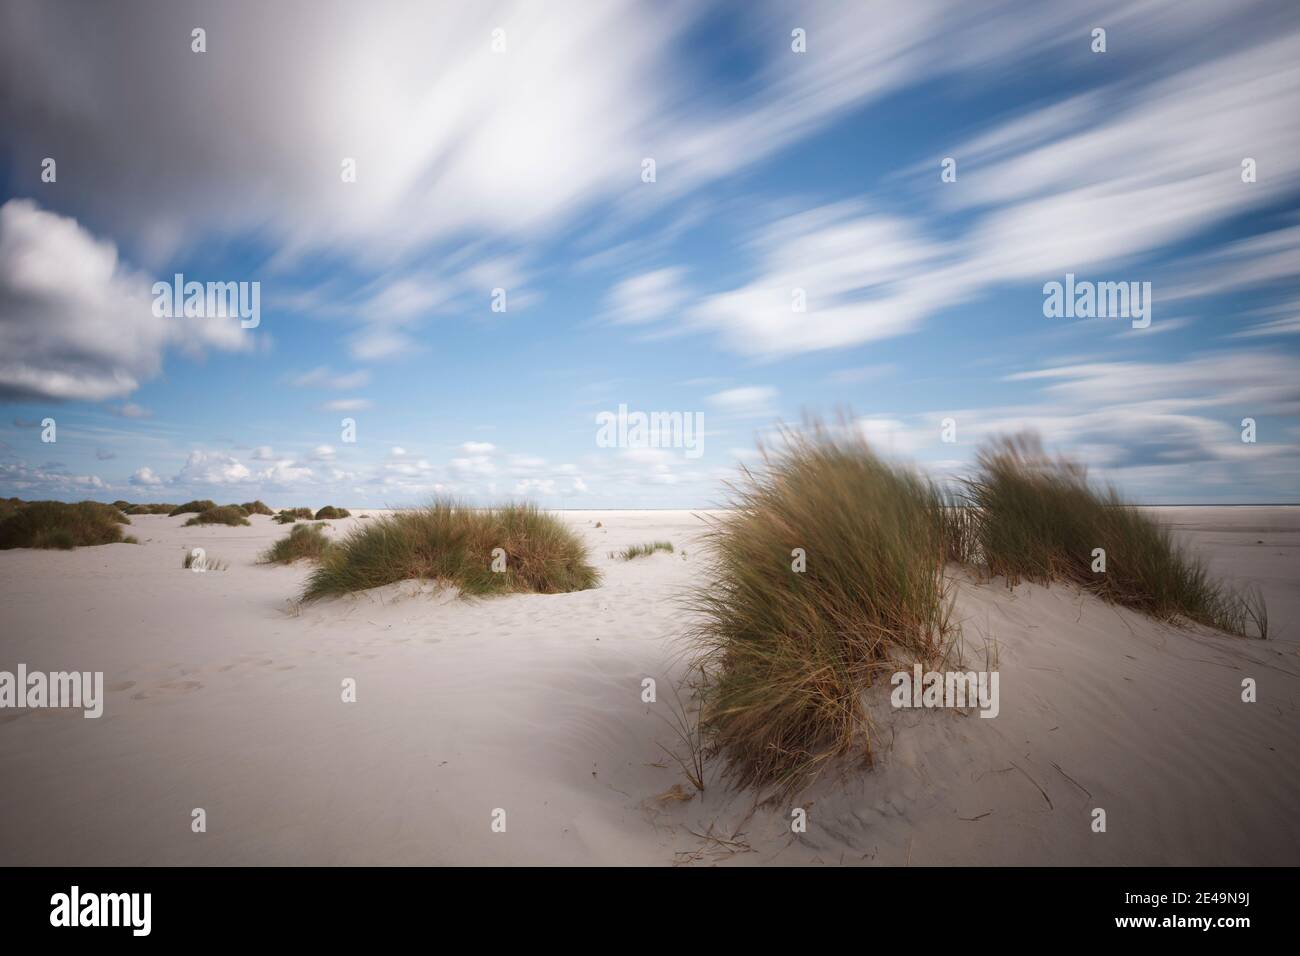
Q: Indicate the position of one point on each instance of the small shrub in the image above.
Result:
(1038, 518)
(307, 541)
(151, 509)
(209, 564)
(192, 507)
(57, 524)
(329, 511)
(454, 545)
(256, 508)
(641, 550)
(824, 577)
(226, 514)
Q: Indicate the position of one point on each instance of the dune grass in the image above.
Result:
(258, 507)
(58, 524)
(642, 550)
(193, 507)
(152, 509)
(458, 546)
(1037, 518)
(825, 577)
(209, 564)
(304, 541)
(329, 511)
(226, 514)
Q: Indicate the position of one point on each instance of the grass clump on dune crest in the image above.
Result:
(226, 514)
(642, 550)
(258, 507)
(58, 524)
(1037, 518)
(193, 507)
(825, 577)
(150, 509)
(329, 511)
(459, 546)
(304, 541)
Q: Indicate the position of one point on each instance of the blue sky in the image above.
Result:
(521, 169)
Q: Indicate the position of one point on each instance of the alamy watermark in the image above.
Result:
(75, 908)
(1098, 300)
(81, 689)
(960, 689)
(624, 429)
(210, 300)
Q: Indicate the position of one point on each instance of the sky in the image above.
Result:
(477, 228)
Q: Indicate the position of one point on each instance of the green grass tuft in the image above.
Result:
(192, 507)
(226, 514)
(58, 524)
(209, 564)
(453, 544)
(329, 511)
(307, 541)
(158, 509)
(1037, 518)
(642, 550)
(786, 652)
(258, 507)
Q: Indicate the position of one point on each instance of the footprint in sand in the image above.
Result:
(184, 686)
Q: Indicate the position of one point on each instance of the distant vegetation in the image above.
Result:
(304, 541)
(192, 507)
(459, 546)
(256, 508)
(152, 509)
(290, 515)
(329, 511)
(58, 524)
(642, 550)
(231, 515)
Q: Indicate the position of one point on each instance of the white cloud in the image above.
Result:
(79, 324)
(830, 277)
(323, 377)
(212, 468)
(647, 297)
(347, 405)
(20, 477)
(287, 473)
(748, 401)
(145, 476)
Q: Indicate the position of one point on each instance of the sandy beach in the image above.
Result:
(223, 695)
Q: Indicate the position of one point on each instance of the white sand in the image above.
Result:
(221, 697)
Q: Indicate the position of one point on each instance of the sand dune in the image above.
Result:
(222, 695)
